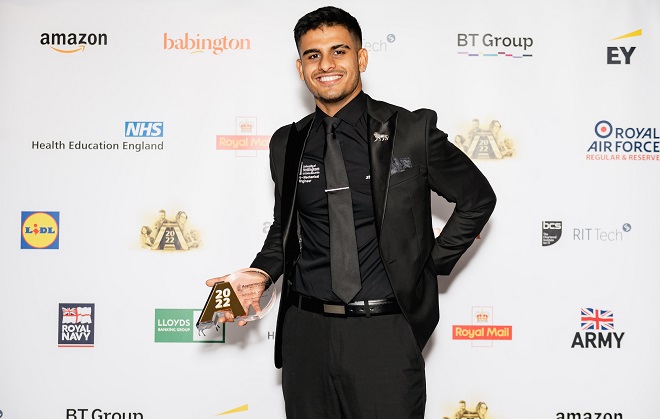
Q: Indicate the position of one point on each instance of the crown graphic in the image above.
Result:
(246, 126)
(482, 317)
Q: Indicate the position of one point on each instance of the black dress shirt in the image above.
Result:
(313, 268)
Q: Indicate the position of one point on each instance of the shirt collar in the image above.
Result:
(351, 113)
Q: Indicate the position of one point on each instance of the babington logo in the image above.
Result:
(485, 143)
(551, 232)
(170, 234)
(246, 142)
(597, 330)
(490, 45)
(178, 326)
(622, 54)
(196, 44)
(624, 143)
(479, 412)
(40, 230)
(68, 43)
(76, 325)
(482, 332)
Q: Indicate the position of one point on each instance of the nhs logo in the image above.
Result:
(143, 129)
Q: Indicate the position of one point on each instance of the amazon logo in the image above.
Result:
(68, 43)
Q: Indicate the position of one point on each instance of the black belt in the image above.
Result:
(365, 308)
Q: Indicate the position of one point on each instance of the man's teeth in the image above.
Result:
(329, 78)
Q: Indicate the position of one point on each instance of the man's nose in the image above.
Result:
(326, 63)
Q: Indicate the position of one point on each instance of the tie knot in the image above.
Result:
(330, 124)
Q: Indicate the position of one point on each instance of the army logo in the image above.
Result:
(479, 411)
(480, 143)
(170, 235)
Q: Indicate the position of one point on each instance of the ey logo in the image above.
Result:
(622, 55)
(40, 230)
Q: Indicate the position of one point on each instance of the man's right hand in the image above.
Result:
(228, 315)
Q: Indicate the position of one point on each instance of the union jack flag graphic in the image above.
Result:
(594, 319)
(76, 314)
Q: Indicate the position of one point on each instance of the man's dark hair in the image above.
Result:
(328, 16)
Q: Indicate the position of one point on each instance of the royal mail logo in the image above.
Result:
(246, 142)
(482, 332)
(196, 44)
(485, 143)
(76, 325)
(40, 230)
(68, 43)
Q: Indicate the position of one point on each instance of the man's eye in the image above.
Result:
(313, 56)
(340, 52)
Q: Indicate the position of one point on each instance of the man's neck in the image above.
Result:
(332, 108)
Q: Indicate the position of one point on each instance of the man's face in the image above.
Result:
(330, 64)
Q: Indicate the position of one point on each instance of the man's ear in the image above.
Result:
(363, 60)
(299, 66)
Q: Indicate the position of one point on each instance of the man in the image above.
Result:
(357, 353)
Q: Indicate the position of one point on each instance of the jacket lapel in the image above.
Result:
(381, 135)
(294, 150)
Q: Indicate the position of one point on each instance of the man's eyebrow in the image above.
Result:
(316, 50)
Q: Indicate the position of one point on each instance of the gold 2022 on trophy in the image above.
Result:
(248, 294)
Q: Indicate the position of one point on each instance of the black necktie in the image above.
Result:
(344, 266)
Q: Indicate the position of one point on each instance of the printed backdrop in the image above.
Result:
(134, 166)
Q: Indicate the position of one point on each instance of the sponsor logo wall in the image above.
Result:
(134, 160)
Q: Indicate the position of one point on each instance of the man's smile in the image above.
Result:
(329, 79)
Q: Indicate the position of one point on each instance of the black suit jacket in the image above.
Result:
(409, 158)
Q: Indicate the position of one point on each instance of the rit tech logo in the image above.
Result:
(622, 54)
(40, 230)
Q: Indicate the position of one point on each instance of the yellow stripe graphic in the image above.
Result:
(638, 32)
(243, 408)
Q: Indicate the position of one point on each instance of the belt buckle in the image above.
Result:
(334, 309)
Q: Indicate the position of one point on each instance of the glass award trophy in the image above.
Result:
(247, 293)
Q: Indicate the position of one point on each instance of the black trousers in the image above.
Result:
(351, 368)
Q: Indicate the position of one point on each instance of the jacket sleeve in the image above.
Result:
(271, 256)
(452, 175)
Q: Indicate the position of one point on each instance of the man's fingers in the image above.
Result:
(255, 306)
(212, 281)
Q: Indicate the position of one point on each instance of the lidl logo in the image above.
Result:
(40, 230)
